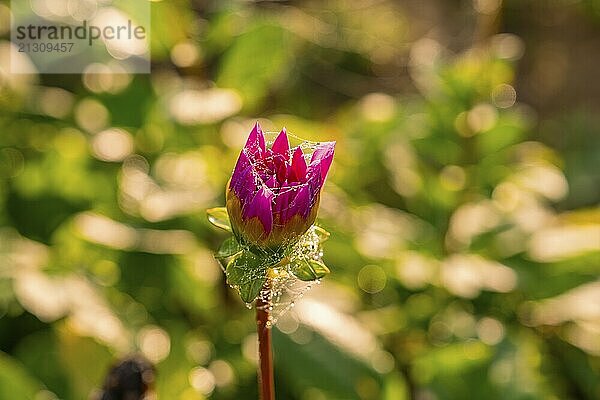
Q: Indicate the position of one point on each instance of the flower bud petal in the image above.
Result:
(255, 145)
(322, 158)
(281, 145)
(298, 167)
(260, 207)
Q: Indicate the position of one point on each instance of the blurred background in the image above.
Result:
(463, 203)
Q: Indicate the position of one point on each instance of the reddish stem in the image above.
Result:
(263, 328)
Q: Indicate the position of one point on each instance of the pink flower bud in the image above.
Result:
(273, 194)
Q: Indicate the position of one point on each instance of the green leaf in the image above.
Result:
(262, 37)
(309, 270)
(322, 233)
(15, 380)
(249, 273)
(249, 291)
(322, 364)
(244, 268)
(229, 248)
(219, 217)
(75, 352)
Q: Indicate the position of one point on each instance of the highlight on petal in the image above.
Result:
(282, 145)
(255, 145)
(322, 158)
(260, 207)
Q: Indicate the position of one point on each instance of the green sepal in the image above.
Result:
(219, 217)
(321, 233)
(250, 291)
(309, 270)
(243, 268)
(248, 273)
(229, 248)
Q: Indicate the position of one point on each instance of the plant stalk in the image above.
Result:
(265, 374)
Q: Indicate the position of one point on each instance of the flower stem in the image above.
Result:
(265, 353)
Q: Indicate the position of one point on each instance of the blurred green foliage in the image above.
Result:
(465, 229)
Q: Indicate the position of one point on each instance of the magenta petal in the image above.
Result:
(322, 158)
(298, 167)
(271, 182)
(282, 145)
(282, 203)
(242, 164)
(301, 205)
(245, 185)
(314, 183)
(260, 207)
(255, 145)
(243, 181)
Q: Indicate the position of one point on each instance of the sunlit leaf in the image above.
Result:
(219, 217)
(309, 270)
(249, 291)
(266, 72)
(321, 233)
(321, 364)
(77, 351)
(15, 382)
(229, 248)
(244, 268)
(249, 273)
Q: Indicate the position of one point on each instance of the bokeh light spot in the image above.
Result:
(372, 279)
(154, 342)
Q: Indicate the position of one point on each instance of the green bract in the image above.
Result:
(248, 268)
(218, 217)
